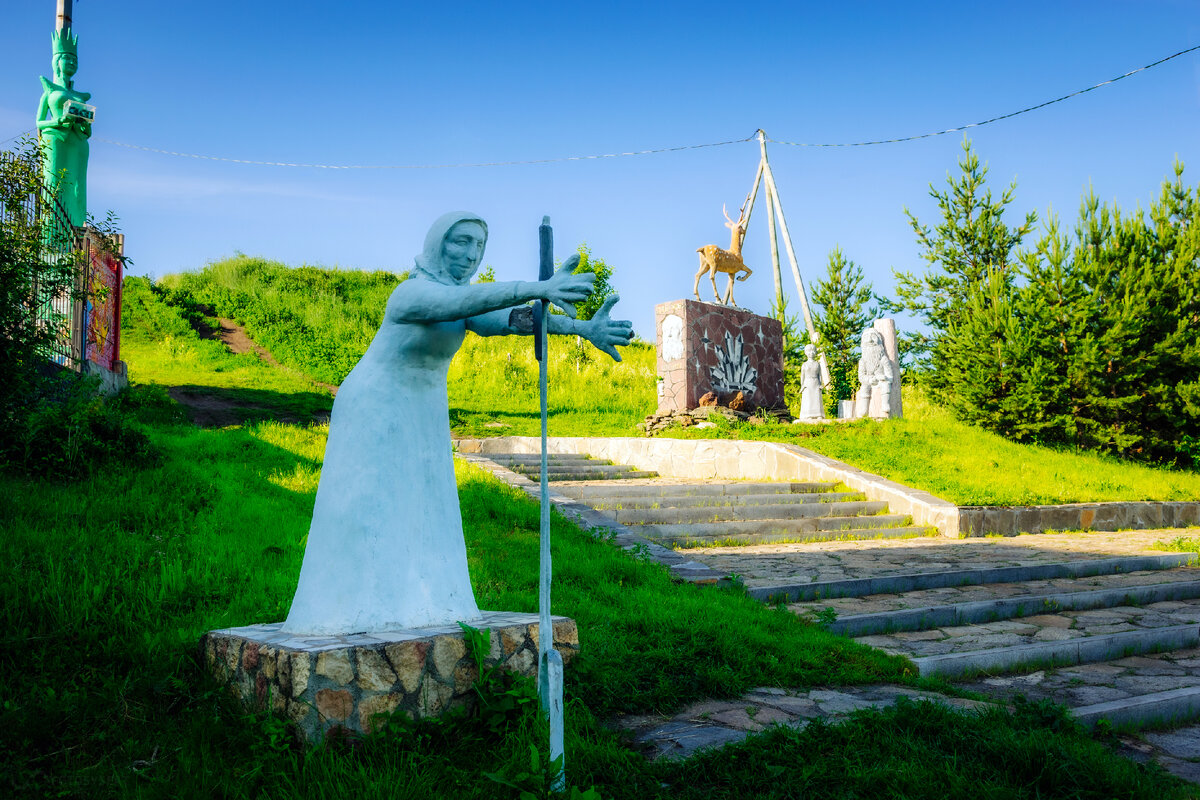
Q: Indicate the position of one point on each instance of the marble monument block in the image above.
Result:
(704, 348)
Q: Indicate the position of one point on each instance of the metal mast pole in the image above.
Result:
(64, 15)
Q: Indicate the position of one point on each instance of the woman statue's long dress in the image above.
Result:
(386, 549)
(811, 405)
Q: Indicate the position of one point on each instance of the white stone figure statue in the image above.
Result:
(811, 404)
(672, 337)
(875, 378)
(385, 550)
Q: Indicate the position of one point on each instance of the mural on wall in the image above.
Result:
(733, 372)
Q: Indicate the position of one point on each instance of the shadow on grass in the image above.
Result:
(214, 407)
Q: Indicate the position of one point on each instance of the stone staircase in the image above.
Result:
(1115, 638)
(567, 467)
(701, 514)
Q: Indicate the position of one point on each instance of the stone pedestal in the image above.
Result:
(705, 348)
(323, 683)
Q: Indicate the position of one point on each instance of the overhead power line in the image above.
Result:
(1010, 115)
(653, 151)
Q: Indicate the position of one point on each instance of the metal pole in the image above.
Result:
(773, 194)
(550, 665)
(63, 20)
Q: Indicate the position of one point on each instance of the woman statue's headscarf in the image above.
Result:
(430, 263)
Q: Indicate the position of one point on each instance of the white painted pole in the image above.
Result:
(63, 20)
(771, 234)
(550, 665)
(750, 198)
(773, 194)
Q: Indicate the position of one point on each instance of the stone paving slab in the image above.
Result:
(713, 723)
(772, 564)
(619, 502)
(1054, 627)
(879, 603)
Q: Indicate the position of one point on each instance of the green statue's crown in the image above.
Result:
(65, 42)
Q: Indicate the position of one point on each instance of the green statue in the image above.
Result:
(64, 122)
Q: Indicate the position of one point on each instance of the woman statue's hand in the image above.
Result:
(564, 288)
(607, 333)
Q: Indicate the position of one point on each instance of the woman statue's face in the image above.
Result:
(463, 248)
(66, 65)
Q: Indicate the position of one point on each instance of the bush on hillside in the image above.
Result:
(52, 422)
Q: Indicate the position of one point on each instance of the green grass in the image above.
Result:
(930, 450)
(108, 584)
(318, 322)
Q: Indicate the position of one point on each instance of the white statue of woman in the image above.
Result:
(811, 405)
(385, 550)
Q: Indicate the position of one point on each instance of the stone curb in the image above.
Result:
(1064, 653)
(718, 458)
(899, 584)
(593, 521)
(914, 619)
(1176, 705)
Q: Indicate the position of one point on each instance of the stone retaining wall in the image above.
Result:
(722, 459)
(327, 683)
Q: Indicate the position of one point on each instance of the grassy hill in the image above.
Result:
(318, 322)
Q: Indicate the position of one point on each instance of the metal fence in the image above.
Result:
(72, 287)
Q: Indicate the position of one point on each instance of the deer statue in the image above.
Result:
(713, 259)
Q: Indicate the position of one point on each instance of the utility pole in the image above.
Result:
(63, 20)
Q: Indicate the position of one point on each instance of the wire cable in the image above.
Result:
(427, 166)
(653, 151)
(993, 119)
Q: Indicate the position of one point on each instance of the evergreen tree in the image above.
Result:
(971, 241)
(601, 289)
(842, 295)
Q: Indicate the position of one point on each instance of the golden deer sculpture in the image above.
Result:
(713, 259)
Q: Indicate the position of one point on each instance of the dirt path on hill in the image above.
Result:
(212, 407)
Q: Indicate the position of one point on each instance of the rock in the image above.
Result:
(335, 665)
(447, 650)
(379, 704)
(737, 402)
(709, 399)
(408, 659)
(335, 704)
(706, 424)
(374, 674)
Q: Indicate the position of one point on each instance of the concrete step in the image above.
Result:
(1154, 709)
(714, 489)
(745, 513)
(580, 468)
(553, 476)
(1106, 627)
(821, 519)
(746, 500)
(738, 539)
(984, 611)
(1086, 649)
(896, 584)
(536, 458)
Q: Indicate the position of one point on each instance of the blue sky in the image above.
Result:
(419, 84)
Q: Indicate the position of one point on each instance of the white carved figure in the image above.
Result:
(811, 405)
(672, 337)
(386, 549)
(875, 377)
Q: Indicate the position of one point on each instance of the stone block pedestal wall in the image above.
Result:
(322, 683)
(705, 348)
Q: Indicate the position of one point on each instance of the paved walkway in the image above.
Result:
(765, 565)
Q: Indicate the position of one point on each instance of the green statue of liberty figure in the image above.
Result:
(64, 122)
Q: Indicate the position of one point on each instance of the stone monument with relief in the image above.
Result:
(375, 623)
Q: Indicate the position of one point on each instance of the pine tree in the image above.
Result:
(971, 241)
(842, 295)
